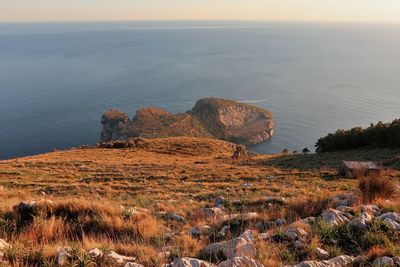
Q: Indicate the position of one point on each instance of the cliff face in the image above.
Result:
(211, 117)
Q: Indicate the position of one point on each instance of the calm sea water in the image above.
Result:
(56, 79)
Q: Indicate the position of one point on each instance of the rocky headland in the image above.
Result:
(216, 118)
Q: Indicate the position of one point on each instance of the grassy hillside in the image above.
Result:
(126, 200)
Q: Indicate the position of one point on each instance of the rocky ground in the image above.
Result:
(186, 202)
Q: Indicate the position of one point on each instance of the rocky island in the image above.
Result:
(216, 118)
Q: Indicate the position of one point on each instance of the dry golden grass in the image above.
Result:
(175, 175)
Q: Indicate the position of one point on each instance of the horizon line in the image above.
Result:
(202, 20)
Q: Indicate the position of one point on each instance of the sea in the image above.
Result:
(58, 78)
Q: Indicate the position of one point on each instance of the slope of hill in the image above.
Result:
(164, 200)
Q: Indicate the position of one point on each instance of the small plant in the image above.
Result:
(374, 187)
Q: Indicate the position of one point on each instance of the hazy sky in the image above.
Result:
(309, 10)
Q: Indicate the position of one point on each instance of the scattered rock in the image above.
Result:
(279, 222)
(240, 262)
(224, 230)
(175, 217)
(335, 217)
(383, 262)
(190, 262)
(238, 247)
(4, 246)
(133, 264)
(63, 255)
(295, 232)
(392, 219)
(371, 209)
(95, 253)
(220, 200)
(212, 213)
(339, 261)
(360, 223)
(344, 200)
(321, 253)
(119, 258)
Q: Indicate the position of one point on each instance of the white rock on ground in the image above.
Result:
(335, 217)
(133, 264)
(119, 258)
(238, 247)
(321, 253)
(190, 262)
(295, 232)
(383, 262)
(391, 218)
(360, 223)
(4, 246)
(371, 209)
(344, 200)
(339, 261)
(240, 262)
(63, 255)
(95, 253)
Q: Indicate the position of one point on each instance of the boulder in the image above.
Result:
(321, 253)
(213, 213)
(383, 262)
(371, 209)
(360, 223)
(295, 232)
(95, 253)
(335, 217)
(280, 222)
(4, 246)
(347, 200)
(392, 219)
(240, 262)
(175, 217)
(242, 246)
(119, 258)
(339, 261)
(133, 264)
(63, 256)
(190, 262)
(394, 216)
(220, 200)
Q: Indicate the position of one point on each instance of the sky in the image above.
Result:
(281, 10)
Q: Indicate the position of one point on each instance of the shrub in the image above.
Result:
(374, 187)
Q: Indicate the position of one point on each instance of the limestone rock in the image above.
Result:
(95, 253)
(321, 253)
(190, 262)
(335, 217)
(175, 217)
(119, 258)
(339, 261)
(240, 262)
(371, 209)
(383, 262)
(133, 264)
(238, 247)
(63, 256)
(392, 219)
(344, 200)
(295, 232)
(360, 223)
(3, 247)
